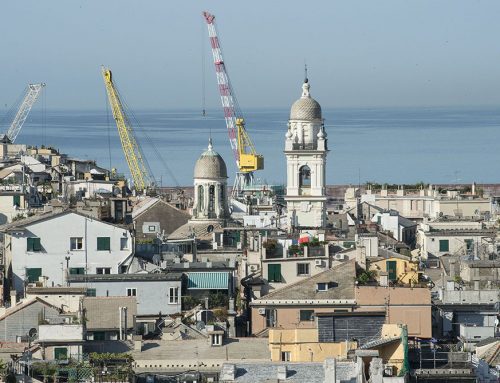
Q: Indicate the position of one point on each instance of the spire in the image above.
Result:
(305, 86)
(210, 146)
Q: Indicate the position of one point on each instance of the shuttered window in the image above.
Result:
(103, 243)
(33, 274)
(60, 353)
(77, 270)
(33, 244)
(444, 245)
(274, 273)
(306, 315)
(17, 200)
(391, 270)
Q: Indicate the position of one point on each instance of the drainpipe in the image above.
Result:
(120, 322)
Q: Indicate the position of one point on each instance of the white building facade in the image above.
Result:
(47, 248)
(305, 151)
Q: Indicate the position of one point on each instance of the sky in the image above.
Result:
(386, 53)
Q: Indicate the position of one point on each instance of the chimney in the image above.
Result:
(185, 265)
(329, 366)
(476, 284)
(228, 373)
(384, 279)
(209, 265)
(13, 298)
(282, 372)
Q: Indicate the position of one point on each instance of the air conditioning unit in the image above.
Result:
(262, 311)
(319, 263)
(340, 257)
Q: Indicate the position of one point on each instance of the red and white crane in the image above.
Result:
(247, 159)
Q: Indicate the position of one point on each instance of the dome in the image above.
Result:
(305, 108)
(210, 165)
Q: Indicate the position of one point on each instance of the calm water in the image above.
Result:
(383, 145)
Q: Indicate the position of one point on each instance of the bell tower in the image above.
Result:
(305, 151)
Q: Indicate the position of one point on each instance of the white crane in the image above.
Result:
(31, 96)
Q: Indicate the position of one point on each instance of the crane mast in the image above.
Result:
(31, 96)
(245, 155)
(140, 172)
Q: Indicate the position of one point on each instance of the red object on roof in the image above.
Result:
(304, 240)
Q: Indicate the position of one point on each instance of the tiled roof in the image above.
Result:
(340, 277)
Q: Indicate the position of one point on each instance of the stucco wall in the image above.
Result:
(410, 306)
(289, 317)
(152, 296)
(55, 237)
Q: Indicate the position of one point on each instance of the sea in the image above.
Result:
(393, 145)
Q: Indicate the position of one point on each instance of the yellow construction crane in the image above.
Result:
(139, 170)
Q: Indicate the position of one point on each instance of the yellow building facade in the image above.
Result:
(301, 345)
(398, 270)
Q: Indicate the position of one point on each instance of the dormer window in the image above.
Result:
(323, 286)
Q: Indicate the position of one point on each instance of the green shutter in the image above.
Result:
(103, 243)
(274, 273)
(60, 353)
(99, 335)
(77, 270)
(17, 200)
(33, 244)
(91, 292)
(444, 245)
(469, 243)
(391, 270)
(33, 274)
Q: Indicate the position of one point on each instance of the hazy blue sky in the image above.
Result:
(360, 53)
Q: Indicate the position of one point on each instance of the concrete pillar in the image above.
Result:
(330, 366)
(282, 372)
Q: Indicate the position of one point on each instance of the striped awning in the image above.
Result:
(218, 280)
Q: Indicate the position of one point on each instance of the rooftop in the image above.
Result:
(124, 277)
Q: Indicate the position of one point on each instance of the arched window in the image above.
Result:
(200, 198)
(305, 176)
(211, 198)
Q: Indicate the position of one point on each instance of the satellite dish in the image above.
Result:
(32, 332)
(210, 228)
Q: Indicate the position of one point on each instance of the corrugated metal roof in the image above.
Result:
(208, 280)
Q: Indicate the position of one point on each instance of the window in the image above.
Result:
(99, 335)
(271, 318)
(201, 202)
(103, 270)
(469, 243)
(391, 267)
(123, 243)
(285, 356)
(33, 244)
(274, 273)
(103, 243)
(76, 243)
(322, 286)
(306, 315)
(76, 270)
(131, 292)
(61, 353)
(211, 198)
(33, 274)
(173, 296)
(302, 269)
(305, 176)
(91, 293)
(152, 228)
(444, 245)
(16, 200)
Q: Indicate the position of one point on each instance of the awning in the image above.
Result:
(218, 280)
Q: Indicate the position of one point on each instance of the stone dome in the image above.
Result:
(305, 108)
(210, 165)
